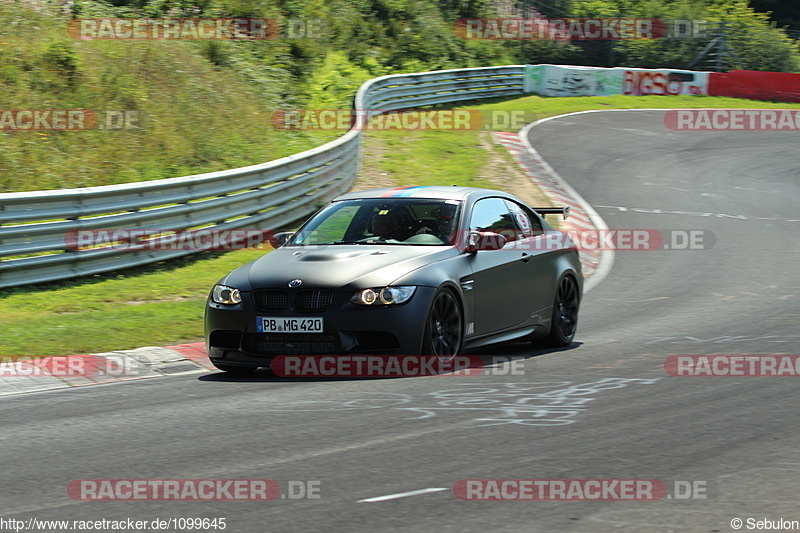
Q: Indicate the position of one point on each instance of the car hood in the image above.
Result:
(336, 266)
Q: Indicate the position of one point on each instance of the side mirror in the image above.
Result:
(477, 241)
(279, 239)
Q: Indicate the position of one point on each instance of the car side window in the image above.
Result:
(529, 224)
(493, 215)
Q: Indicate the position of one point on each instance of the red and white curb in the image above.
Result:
(578, 219)
(33, 374)
(582, 217)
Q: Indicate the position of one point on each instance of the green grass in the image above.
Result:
(433, 158)
(156, 305)
(163, 305)
(193, 116)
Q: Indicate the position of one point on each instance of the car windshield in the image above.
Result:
(396, 221)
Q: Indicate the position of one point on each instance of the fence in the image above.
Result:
(33, 225)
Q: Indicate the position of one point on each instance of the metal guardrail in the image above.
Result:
(34, 225)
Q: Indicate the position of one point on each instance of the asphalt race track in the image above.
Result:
(603, 409)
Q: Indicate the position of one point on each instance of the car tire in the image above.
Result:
(564, 321)
(444, 326)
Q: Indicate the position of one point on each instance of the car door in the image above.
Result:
(538, 252)
(502, 291)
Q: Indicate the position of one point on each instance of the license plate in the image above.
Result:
(271, 324)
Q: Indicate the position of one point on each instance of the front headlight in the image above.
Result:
(383, 295)
(226, 295)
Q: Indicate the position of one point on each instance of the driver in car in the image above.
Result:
(384, 225)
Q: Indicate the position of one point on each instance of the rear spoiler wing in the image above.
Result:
(564, 211)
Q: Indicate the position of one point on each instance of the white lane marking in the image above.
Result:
(651, 211)
(401, 495)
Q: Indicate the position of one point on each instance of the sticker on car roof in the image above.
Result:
(402, 191)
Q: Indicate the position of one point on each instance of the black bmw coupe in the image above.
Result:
(426, 270)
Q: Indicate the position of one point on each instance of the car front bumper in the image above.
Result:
(232, 338)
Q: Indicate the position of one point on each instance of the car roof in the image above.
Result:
(425, 191)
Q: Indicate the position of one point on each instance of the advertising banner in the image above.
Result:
(566, 80)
